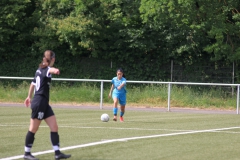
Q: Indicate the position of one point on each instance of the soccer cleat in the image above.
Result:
(121, 119)
(115, 118)
(29, 157)
(62, 156)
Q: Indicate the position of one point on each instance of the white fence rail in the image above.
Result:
(148, 82)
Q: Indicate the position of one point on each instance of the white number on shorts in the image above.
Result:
(40, 115)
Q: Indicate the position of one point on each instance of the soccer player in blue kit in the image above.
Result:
(118, 92)
(41, 110)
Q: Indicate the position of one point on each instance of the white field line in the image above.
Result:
(122, 139)
(117, 128)
(113, 128)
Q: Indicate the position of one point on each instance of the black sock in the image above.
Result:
(55, 138)
(29, 140)
(55, 141)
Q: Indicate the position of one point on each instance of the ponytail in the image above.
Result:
(45, 62)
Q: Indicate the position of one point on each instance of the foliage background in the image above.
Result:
(92, 38)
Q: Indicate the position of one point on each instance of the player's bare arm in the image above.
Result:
(122, 85)
(54, 71)
(27, 101)
(110, 93)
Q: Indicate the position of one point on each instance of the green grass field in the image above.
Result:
(143, 135)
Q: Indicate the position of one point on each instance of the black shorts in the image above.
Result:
(41, 108)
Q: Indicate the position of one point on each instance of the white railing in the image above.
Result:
(149, 82)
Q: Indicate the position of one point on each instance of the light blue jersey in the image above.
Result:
(116, 83)
(120, 94)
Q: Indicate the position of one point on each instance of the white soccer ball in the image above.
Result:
(105, 117)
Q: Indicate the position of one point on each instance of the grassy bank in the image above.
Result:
(155, 95)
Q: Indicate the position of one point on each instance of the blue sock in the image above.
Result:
(115, 111)
(121, 114)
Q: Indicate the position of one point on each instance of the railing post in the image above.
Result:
(101, 96)
(169, 95)
(238, 99)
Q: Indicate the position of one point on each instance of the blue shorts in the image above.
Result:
(121, 98)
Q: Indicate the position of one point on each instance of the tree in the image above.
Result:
(16, 25)
(199, 29)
